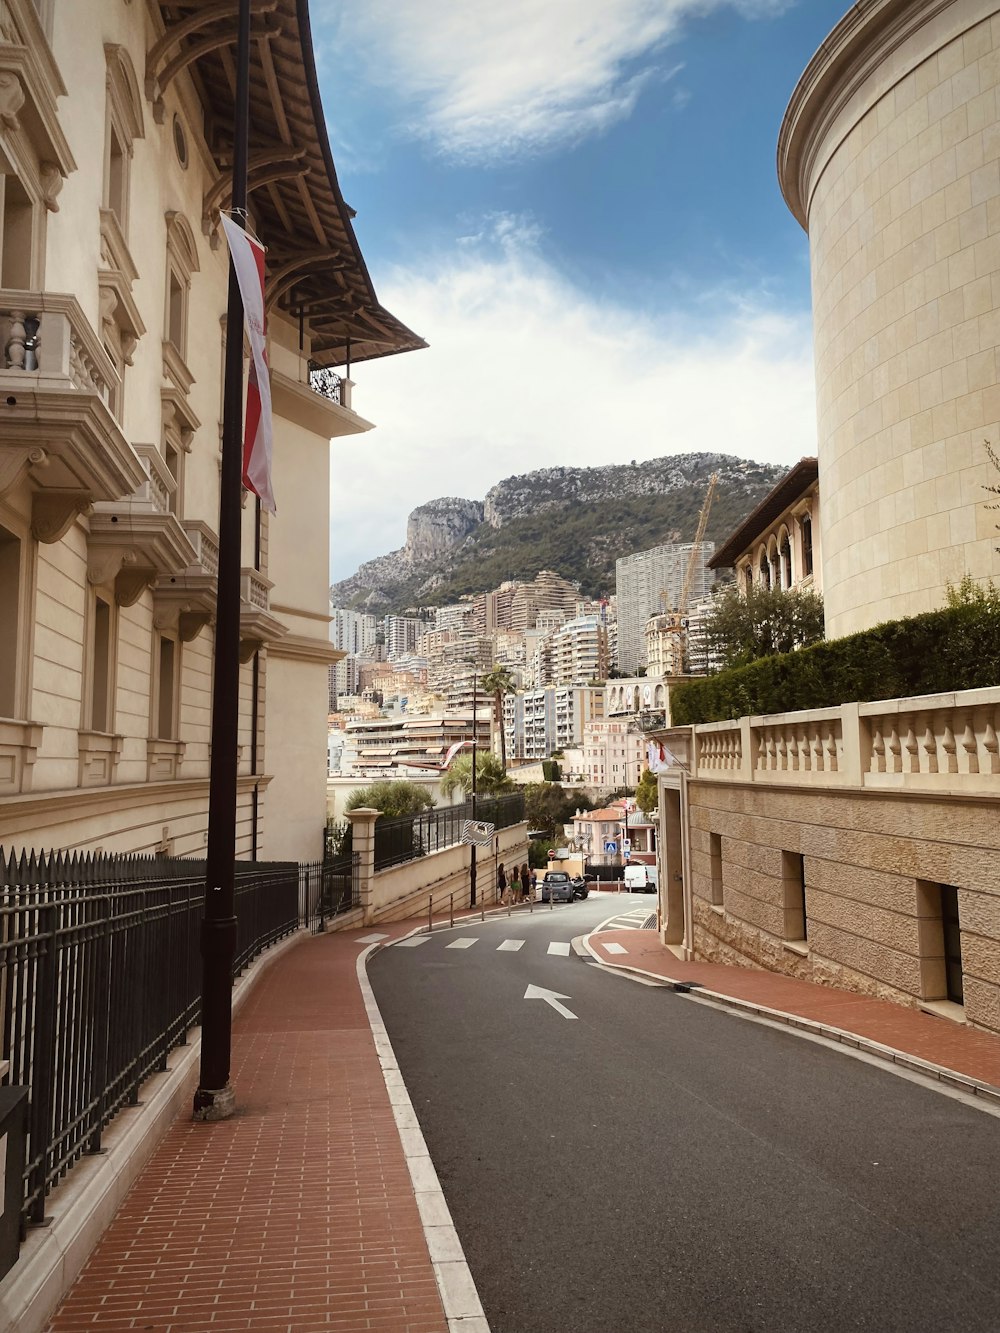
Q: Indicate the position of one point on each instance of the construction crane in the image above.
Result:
(682, 605)
(675, 622)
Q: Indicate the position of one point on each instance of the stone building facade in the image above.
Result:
(889, 156)
(115, 144)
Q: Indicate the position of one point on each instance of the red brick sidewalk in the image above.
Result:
(296, 1214)
(940, 1042)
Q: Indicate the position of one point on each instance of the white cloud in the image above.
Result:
(525, 371)
(494, 80)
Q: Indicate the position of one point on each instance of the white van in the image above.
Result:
(640, 878)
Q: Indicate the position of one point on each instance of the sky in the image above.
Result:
(575, 203)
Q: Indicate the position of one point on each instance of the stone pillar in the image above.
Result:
(363, 842)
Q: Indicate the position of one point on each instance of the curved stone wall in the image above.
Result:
(890, 157)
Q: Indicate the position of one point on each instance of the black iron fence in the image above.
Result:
(329, 887)
(406, 837)
(100, 967)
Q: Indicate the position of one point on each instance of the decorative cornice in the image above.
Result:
(300, 648)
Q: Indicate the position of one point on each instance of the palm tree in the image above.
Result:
(499, 682)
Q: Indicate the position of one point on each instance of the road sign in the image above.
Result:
(611, 846)
(480, 833)
(626, 845)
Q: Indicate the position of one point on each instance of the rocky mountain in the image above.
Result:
(574, 520)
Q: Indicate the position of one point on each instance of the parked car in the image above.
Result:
(557, 887)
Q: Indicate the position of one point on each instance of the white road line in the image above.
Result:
(370, 939)
(412, 942)
(467, 944)
(557, 947)
(612, 947)
(509, 946)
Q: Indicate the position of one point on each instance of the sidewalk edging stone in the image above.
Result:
(462, 1306)
(889, 1054)
(82, 1207)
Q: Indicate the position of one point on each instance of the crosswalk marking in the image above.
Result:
(463, 944)
(509, 946)
(559, 948)
(612, 947)
(371, 939)
(412, 942)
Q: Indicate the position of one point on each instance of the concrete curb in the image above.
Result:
(457, 1288)
(79, 1210)
(914, 1063)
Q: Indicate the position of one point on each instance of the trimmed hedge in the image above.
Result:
(953, 649)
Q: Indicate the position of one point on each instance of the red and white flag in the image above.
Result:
(258, 435)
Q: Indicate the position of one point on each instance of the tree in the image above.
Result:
(490, 776)
(741, 628)
(499, 682)
(391, 796)
(547, 807)
(647, 794)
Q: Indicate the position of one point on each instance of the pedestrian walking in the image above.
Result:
(525, 883)
(501, 883)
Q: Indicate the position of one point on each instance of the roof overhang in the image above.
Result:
(792, 486)
(315, 269)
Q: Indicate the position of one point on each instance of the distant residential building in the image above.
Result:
(665, 639)
(650, 582)
(400, 634)
(548, 591)
(538, 722)
(600, 835)
(455, 616)
(353, 631)
(614, 753)
(577, 652)
(386, 744)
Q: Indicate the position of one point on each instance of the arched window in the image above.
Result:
(785, 554)
(765, 570)
(748, 574)
(805, 524)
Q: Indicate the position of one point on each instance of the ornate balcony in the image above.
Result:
(257, 625)
(57, 431)
(186, 601)
(140, 541)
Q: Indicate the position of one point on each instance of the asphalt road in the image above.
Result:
(657, 1164)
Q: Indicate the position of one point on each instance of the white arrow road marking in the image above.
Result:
(412, 942)
(463, 944)
(550, 997)
(509, 946)
(612, 947)
(557, 947)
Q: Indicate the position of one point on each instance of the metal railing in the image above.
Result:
(329, 887)
(406, 837)
(100, 968)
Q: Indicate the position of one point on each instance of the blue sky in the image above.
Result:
(575, 203)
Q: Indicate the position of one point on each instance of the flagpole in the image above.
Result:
(472, 849)
(214, 1098)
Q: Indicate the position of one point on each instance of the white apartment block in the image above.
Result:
(538, 722)
(652, 581)
(353, 631)
(577, 652)
(400, 634)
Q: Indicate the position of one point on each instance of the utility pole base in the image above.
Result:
(214, 1103)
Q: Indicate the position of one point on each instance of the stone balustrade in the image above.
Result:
(47, 340)
(941, 742)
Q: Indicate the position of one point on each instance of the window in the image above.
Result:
(101, 706)
(11, 619)
(785, 555)
(748, 575)
(805, 524)
(793, 878)
(715, 852)
(124, 124)
(18, 227)
(765, 570)
(176, 312)
(165, 698)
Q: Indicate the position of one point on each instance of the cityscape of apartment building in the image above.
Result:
(557, 648)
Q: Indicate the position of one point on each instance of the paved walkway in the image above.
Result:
(296, 1214)
(299, 1213)
(947, 1045)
